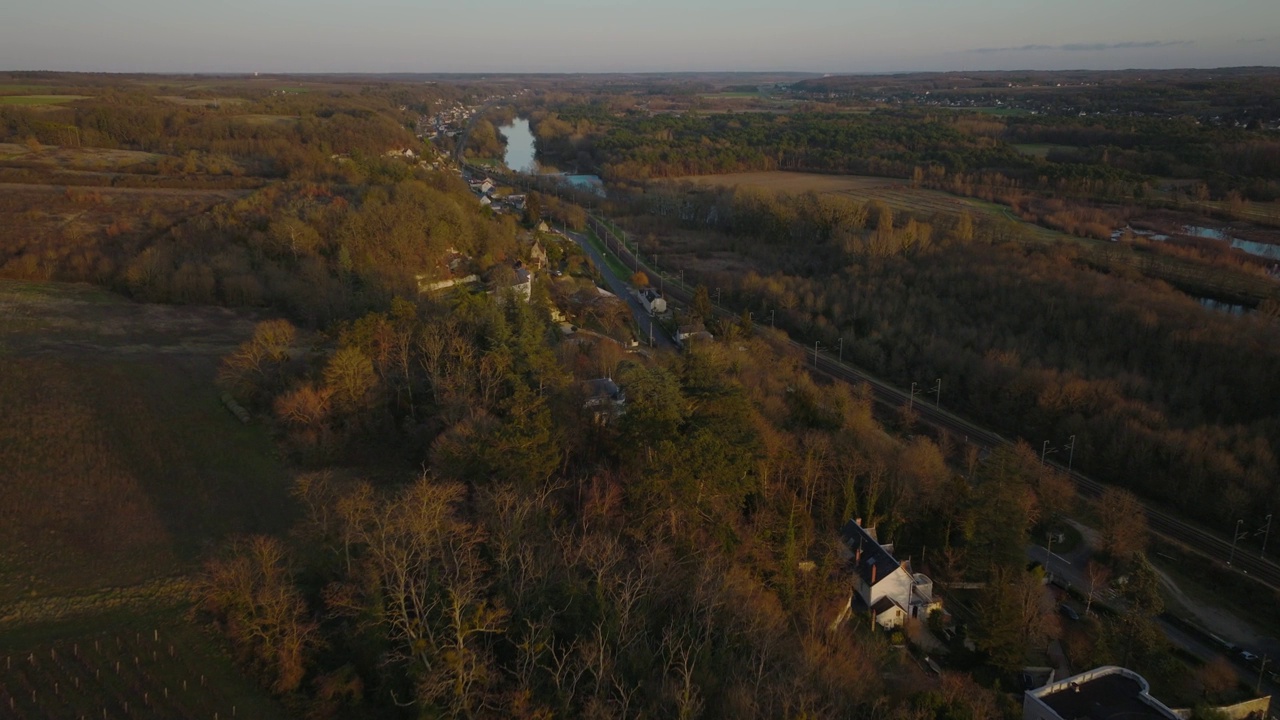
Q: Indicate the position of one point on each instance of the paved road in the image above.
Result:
(1196, 539)
(649, 328)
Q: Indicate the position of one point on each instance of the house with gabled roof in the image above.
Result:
(884, 586)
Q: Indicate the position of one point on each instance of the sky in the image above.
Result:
(829, 36)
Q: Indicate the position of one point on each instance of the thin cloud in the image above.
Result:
(1088, 47)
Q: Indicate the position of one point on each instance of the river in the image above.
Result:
(521, 156)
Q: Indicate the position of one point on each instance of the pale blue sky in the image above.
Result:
(633, 35)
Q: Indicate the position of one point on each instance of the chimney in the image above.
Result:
(857, 556)
(874, 568)
(858, 521)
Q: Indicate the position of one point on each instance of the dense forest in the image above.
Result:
(678, 559)
(1163, 396)
(475, 536)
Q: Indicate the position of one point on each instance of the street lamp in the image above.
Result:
(815, 353)
(771, 318)
(1234, 537)
(937, 389)
(840, 350)
(1071, 453)
(911, 402)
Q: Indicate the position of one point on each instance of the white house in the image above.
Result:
(884, 586)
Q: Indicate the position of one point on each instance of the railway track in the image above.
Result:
(1194, 538)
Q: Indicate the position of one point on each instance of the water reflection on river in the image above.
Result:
(521, 156)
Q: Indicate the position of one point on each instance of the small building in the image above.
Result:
(690, 333)
(1105, 693)
(883, 586)
(537, 255)
(523, 285)
(1116, 693)
(604, 399)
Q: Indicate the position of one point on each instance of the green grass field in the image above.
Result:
(158, 665)
(122, 470)
(20, 89)
(39, 99)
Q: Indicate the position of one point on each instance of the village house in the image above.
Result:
(537, 256)
(690, 332)
(883, 586)
(604, 399)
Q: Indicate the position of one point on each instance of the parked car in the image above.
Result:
(1248, 657)
(1068, 612)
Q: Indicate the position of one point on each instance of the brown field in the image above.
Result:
(84, 158)
(47, 231)
(266, 119)
(896, 194)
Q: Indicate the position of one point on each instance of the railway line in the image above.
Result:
(1192, 537)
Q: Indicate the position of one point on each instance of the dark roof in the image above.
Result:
(1108, 697)
(604, 388)
(872, 554)
(884, 604)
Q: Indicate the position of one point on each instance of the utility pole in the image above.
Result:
(840, 350)
(1266, 533)
(1257, 689)
(771, 318)
(815, 353)
(1045, 450)
(937, 398)
(717, 297)
(1049, 552)
(911, 402)
(1071, 454)
(1235, 535)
